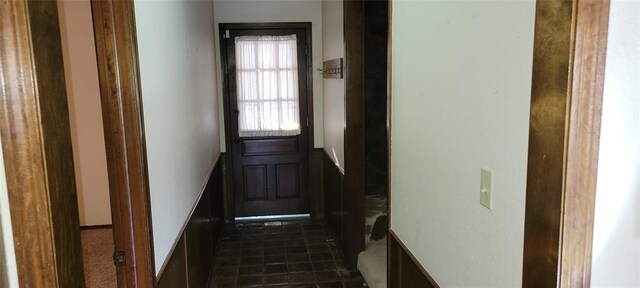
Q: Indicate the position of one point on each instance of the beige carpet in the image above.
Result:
(372, 263)
(97, 252)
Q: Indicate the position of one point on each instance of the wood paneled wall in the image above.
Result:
(333, 185)
(191, 261)
(404, 269)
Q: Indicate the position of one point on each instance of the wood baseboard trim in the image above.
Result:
(96, 227)
(404, 268)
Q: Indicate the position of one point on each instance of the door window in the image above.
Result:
(267, 85)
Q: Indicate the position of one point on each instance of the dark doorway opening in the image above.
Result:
(372, 261)
(376, 153)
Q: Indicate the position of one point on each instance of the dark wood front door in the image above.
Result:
(270, 173)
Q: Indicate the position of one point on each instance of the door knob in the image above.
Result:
(236, 111)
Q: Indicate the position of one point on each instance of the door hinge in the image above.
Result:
(226, 34)
(119, 258)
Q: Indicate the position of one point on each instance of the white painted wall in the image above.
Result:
(256, 11)
(334, 101)
(8, 268)
(85, 112)
(616, 239)
(179, 90)
(461, 99)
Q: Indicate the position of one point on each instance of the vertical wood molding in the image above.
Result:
(37, 146)
(117, 55)
(588, 66)
(390, 261)
(354, 196)
(568, 72)
(551, 59)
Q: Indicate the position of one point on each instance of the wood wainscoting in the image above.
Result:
(191, 260)
(333, 183)
(404, 269)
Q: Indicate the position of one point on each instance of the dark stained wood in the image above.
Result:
(269, 147)
(257, 160)
(191, 260)
(117, 56)
(568, 69)
(96, 227)
(391, 274)
(36, 144)
(333, 187)
(404, 269)
(588, 68)
(199, 236)
(354, 185)
(315, 162)
(316, 191)
(175, 273)
(287, 185)
(215, 188)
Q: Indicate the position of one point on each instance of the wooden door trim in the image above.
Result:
(118, 70)
(36, 143)
(354, 131)
(307, 26)
(390, 243)
(564, 138)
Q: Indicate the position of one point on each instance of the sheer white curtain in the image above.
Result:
(267, 86)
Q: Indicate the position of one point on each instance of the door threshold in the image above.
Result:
(289, 217)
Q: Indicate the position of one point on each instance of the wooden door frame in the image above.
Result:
(564, 138)
(36, 144)
(307, 26)
(121, 98)
(566, 106)
(354, 144)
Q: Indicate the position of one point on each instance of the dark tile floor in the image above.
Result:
(281, 254)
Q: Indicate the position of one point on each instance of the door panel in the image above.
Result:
(269, 147)
(270, 174)
(255, 182)
(287, 181)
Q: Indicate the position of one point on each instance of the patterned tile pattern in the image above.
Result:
(281, 254)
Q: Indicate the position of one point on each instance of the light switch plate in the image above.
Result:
(485, 188)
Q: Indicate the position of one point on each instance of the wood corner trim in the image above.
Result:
(117, 55)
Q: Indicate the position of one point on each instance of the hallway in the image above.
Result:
(280, 254)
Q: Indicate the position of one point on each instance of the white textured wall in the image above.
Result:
(257, 11)
(616, 239)
(461, 97)
(8, 268)
(85, 112)
(177, 67)
(334, 101)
